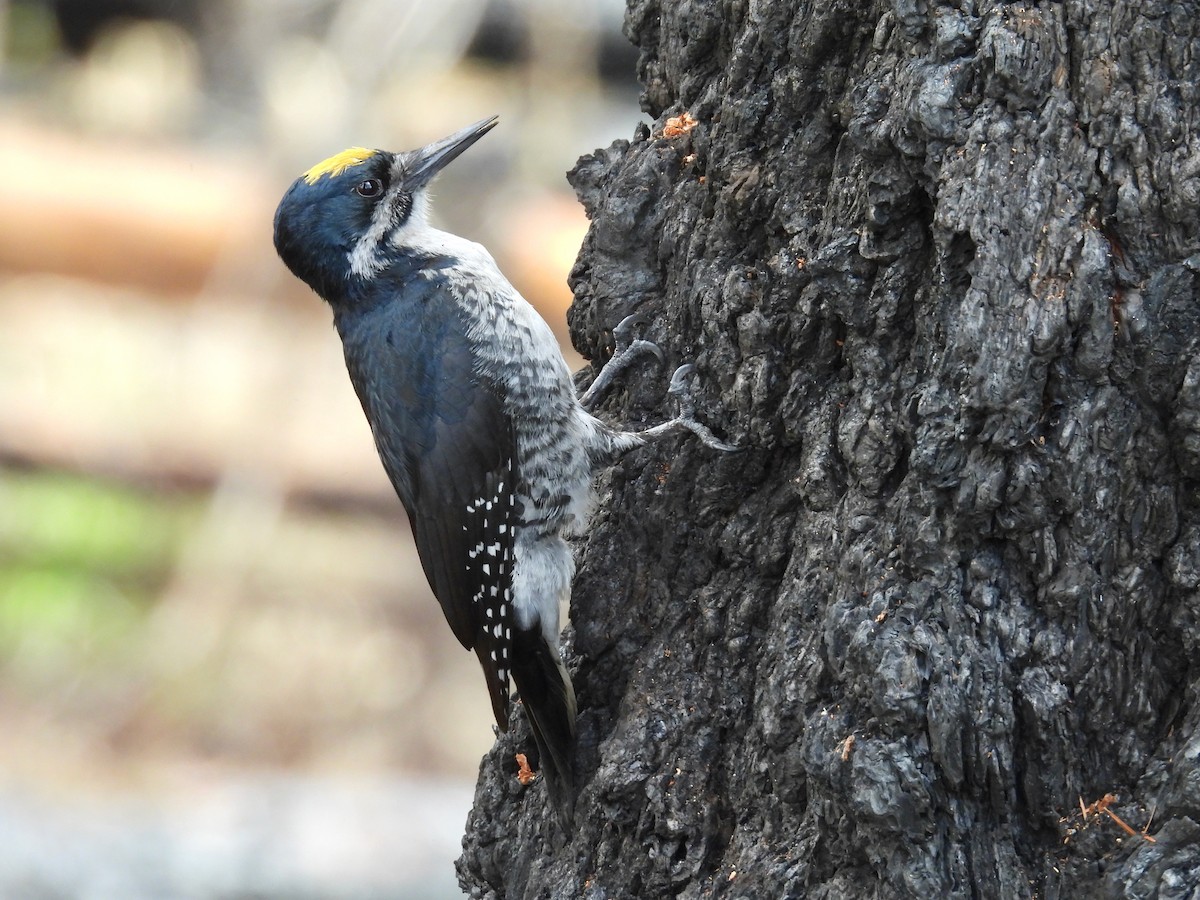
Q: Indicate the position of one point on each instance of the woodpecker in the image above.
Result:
(473, 412)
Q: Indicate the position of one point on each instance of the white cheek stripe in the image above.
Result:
(365, 259)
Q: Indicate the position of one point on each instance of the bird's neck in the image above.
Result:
(405, 278)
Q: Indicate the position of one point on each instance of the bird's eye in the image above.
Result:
(372, 187)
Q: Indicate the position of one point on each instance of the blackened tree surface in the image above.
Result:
(938, 267)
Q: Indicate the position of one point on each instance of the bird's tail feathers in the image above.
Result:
(549, 699)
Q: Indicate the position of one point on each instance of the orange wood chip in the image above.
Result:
(677, 125)
(524, 773)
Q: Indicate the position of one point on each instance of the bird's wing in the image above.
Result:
(463, 520)
(447, 444)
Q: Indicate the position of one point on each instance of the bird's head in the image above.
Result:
(346, 218)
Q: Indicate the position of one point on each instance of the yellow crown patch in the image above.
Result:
(338, 163)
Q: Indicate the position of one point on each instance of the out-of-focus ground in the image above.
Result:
(221, 671)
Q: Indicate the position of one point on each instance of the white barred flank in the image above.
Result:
(556, 438)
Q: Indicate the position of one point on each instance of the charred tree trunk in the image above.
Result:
(938, 266)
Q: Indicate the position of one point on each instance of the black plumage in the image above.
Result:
(474, 416)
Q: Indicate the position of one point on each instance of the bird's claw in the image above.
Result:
(681, 389)
(626, 350)
(626, 344)
(640, 346)
(706, 436)
(679, 386)
(623, 333)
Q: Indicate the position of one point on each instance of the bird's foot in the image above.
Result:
(681, 390)
(626, 349)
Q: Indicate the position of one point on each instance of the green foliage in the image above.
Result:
(32, 38)
(80, 565)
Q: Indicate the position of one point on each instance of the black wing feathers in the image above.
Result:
(464, 538)
(447, 444)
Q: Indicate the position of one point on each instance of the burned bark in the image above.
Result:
(938, 266)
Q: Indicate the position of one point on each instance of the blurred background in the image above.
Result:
(221, 671)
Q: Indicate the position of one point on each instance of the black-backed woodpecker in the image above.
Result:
(473, 413)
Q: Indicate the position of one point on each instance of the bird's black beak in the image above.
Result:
(422, 165)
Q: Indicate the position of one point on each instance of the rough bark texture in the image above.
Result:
(938, 268)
